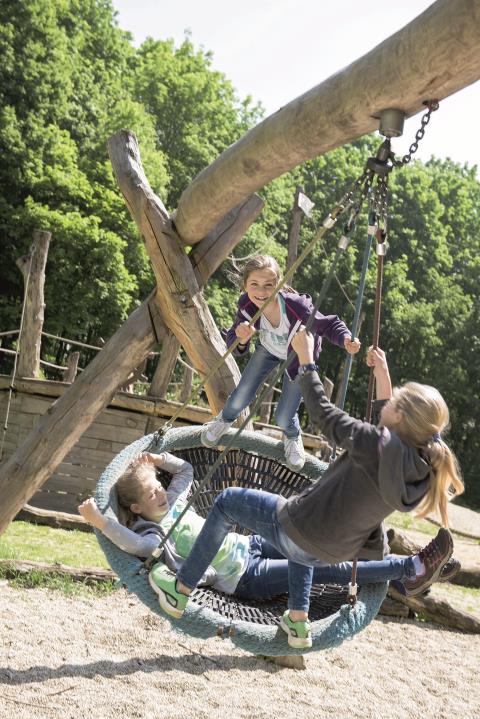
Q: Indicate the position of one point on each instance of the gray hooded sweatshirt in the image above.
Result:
(340, 516)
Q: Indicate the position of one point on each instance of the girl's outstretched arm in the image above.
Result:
(376, 358)
(140, 546)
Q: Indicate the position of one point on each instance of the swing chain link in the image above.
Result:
(432, 106)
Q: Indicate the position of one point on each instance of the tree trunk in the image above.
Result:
(63, 424)
(435, 55)
(32, 267)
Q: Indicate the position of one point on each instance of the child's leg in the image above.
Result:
(383, 570)
(259, 366)
(286, 413)
(267, 574)
(252, 509)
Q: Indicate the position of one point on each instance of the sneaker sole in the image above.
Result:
(296, 642)
(295, 468)
(434, 578)
(163, 601)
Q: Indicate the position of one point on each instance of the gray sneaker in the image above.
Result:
(434, 557)
(214, 430)
(294, 452)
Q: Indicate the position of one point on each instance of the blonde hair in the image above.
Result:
(255, 263)
(424, 415)
(130, 487)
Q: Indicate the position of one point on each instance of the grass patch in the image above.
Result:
(35, 579)
(406, 521)
(24, 540)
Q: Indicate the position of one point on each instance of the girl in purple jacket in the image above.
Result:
(275, 328)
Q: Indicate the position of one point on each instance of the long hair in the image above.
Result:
(255, 263)
(130, 487)
(424, 415)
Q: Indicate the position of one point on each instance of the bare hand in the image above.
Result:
(244, 332)
(303, 344)
(146, 458)
(90, 512)
(352, 346)
(376, 358)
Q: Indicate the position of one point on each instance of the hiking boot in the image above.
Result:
(299, 634)
(164, 583)
(213, 430)
(449, 570)
(294, 452)
(434, 557)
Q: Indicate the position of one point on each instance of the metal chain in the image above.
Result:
(432, 106)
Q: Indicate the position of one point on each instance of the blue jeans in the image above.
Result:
(257, 511)
(266, 574)
(257, 369)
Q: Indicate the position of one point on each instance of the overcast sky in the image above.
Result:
(275, 50)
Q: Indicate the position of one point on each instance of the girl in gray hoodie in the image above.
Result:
(402, 464)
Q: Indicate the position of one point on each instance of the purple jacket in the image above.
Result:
(298, 308)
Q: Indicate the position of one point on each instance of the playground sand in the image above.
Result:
(96, 658)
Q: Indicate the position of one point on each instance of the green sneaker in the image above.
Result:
(164, 583)
(299, 634)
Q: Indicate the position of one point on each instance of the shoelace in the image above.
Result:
(431, 553)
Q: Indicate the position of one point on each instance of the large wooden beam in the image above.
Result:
(179, 297)
(434, 56)
(68, 418)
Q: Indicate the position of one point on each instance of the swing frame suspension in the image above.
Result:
(379, 168)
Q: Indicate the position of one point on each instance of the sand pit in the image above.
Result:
(102, 658)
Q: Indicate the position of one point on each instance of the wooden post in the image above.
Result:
(187, 384)
(32, 267)
(72, 367)
(166, 365)
(435, 55)
(294, 234)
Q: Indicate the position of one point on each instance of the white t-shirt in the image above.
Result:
(275, 339)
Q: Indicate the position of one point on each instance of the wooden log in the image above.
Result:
(399, 543)
(64, 423)
(32, 267)
(392, 608)
(72, 367)
(468, 576)
(438, 610)
(209, 254)
(179, 297)
(166, 365)
(434, 56)
(186, 384)
(88, 575)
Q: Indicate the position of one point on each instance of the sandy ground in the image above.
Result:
(97, 658)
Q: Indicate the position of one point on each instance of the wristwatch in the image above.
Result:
(307, 368)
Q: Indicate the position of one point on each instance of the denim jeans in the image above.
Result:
(257, 511)
(257, 369)
(266, 574)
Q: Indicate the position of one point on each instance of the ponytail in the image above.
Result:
(446, 481)
(424, 414)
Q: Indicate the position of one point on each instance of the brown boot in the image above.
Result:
(434, 556)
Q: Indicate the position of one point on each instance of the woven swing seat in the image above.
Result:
(254, 461)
